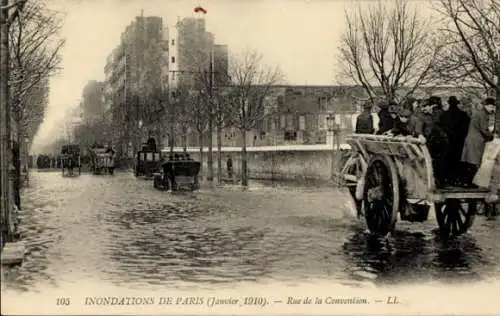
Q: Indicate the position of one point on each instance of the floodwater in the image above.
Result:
(120, 230)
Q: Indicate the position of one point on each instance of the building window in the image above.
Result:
(173, 59)
(173, 42)
(289, 122)
(282, 121)
(302, 123)
(290, 136)
(322, 122)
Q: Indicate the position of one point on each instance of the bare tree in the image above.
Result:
(35, 56)
(198, 118)
(472, 35)
(185, 99)
(387, 50)
(224, 113)
(9, 13)
(216, 98)
(198, 72)
(252, 81)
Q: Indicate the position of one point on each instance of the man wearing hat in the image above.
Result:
(407, 123)
(364, 122)
(479, 133)
(455, 123)
(386, 119)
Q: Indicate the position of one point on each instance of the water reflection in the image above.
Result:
(117, 229)
(414, 257)
(173, 243)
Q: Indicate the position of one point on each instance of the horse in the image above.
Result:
(69, 164)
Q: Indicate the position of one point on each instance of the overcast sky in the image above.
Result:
(299, 35)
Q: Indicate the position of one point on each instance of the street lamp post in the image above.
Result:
(334, 136)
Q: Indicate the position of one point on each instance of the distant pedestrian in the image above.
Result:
(229, 166)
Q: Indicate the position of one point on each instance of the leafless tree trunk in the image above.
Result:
(35, 56)
(387, 50)
(200, 141)
(251, 85)
(9, 12)
(219, 154)
(472, 36)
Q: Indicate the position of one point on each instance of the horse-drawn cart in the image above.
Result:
(102, 160)
(178, 175)
(390, 176)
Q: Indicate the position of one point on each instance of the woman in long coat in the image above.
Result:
(477, 137)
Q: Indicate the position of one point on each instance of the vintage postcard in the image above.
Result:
(248, 157)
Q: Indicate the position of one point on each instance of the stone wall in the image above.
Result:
(304, 162)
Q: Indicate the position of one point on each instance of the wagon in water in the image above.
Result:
(70, 159)
(390, 176)
(102, 160)
(148, 160)
(179, 172)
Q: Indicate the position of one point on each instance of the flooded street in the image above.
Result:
(120, 230)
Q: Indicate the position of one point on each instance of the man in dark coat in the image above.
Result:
(477, 136)
(455, 123)
(436, 108)
(437, 140)
(408, 123)
(386, 122)
(364, 122)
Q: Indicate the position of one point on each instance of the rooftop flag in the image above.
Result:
(199, 9)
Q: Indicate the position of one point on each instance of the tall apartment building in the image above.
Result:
(92, 103)
(135, 78)
(191, 51)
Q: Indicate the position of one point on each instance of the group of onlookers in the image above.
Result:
(455, 140)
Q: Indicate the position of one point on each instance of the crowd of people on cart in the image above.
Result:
(455, 139)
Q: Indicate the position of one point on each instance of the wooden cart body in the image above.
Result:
(393, 177)
(147, 163)
(102, 160)
(178, 175)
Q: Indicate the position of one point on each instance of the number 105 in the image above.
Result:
(63, 301)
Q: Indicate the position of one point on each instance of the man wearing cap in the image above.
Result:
(364, 122)
(408, 124)
(437, 139)
(479, 133)
(434, 108)
(386, 120)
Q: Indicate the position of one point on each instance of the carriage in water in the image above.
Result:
(179, 172)
(148, 160)
(70, 159)
(102, 160)
(391, 177)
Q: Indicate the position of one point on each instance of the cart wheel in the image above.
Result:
(486, 209)
(357, 203)
(352, 167)
(381, 195)
(455, 218)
